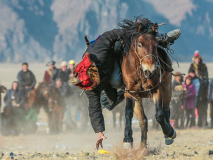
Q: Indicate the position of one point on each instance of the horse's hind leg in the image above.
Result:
(139, 111)
(128, 140)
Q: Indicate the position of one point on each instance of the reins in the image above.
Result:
(157, 64)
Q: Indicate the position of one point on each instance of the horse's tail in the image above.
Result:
(86, 40)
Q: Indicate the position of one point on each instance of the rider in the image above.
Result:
(94, 70)
(60, 74)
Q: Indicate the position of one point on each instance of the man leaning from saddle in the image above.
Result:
(94, 72)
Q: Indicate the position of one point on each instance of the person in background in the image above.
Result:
(210, 98)
(13, 100)
(48, 72)
(26, 79)
(71, 68)
(177, 87)
(191, 93)
(196, 83)
(60, 73)
(14, 96)
(3, 89)
(202, 101)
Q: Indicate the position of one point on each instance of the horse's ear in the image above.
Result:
(140, 27)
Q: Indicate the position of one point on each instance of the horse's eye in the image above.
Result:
(139, 45)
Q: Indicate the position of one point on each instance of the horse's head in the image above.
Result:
(141, 43)
(43, 89)
(145, 50)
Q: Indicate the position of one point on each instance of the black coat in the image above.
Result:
(102, 51)
(19, 97)
(59, 74)
(26, 79)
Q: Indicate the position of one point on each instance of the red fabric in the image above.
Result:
(47, 77)
(80, 72)
(196, 54)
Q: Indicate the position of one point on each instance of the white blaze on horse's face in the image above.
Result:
(147, 54)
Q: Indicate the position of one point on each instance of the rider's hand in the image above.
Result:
(99, 140)
(17, 105)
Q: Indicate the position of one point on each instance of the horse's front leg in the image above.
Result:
(163, 113)
(139, 111)
(128, 140)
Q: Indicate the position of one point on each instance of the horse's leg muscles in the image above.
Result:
(139, 111)
(160, 117)
(128, 126)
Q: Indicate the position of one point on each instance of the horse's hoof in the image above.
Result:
(168, 141)
(128, 145)
(174, 135)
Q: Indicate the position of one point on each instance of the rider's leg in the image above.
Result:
(170, 37)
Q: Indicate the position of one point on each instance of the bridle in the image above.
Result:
(157, 65)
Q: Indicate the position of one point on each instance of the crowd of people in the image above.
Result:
(19, 118)
(190, 97)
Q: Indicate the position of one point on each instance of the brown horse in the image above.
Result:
(56, 106)
(38, 98)
(144, 76)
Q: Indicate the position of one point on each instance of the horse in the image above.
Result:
(56, 106)
(38, 98)
(145, 76)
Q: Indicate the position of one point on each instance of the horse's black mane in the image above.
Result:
(133, 29)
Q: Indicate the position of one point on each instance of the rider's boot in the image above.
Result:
(169, 38)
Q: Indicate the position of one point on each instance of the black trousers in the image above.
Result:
(95, 109)
(189, 116)
(202, 107)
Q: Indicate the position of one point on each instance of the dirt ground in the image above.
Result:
(189, 144)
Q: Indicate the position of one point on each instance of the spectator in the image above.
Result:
(26, 79)
(202, 73)
(199, 67)
(196, 83)
(71, 68)
(60, 74)
(14, 97)
(191, 93)
(177, 87)
(13, 100)
(210, 98)
(2, 90)
(48, 73)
